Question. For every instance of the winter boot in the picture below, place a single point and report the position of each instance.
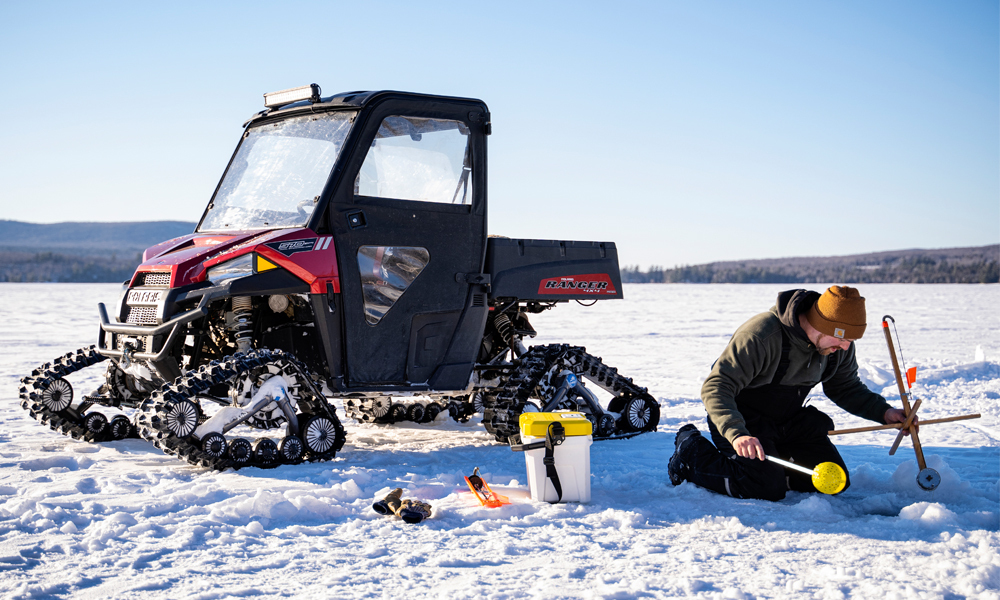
(414, 511)
(390, 504)
(677, 468)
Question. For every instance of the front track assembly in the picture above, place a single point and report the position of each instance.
(548, 375)
(170, 416)
(48, 398)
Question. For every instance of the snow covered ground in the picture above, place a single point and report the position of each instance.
(122, 520)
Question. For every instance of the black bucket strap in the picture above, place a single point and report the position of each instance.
(554, 435)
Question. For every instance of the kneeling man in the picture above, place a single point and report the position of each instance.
(755, 393)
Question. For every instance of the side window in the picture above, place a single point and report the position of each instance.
(428, 160)
(386, 272)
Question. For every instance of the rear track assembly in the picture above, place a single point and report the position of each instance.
(537, 375)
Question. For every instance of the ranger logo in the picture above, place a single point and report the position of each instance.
(290, 247)
(594, 284)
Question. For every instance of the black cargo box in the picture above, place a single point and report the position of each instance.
(552, 270)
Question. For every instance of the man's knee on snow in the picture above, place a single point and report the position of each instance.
(761, 480)
(773, 484)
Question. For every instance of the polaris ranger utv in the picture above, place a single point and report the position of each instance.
(343, 255)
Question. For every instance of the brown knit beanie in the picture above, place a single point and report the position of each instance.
(839, 312)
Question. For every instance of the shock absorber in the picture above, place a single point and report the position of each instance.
(504, 327)
(242, 327)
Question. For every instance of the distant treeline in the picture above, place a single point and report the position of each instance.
(110, 252)
(24, 267)
(79, 252)
(952, 265)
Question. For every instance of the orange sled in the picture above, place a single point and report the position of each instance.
(481, 489)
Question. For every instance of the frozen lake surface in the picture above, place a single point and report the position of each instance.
(122, 520)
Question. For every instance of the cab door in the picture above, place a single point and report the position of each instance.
(410, 242)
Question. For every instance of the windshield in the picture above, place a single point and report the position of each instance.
(278, 173)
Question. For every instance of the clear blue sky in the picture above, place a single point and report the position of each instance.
(685, 132)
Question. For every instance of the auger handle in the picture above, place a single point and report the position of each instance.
(790, 465)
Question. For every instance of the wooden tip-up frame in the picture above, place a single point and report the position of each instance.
(928, 478)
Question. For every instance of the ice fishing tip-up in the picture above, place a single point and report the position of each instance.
(927, 478)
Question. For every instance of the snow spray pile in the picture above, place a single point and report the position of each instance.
(122, 520)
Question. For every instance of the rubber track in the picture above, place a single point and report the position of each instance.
(41, 378)
(537, 367)
(363, 410)
(151, 416)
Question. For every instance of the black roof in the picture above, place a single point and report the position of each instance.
(351, 100)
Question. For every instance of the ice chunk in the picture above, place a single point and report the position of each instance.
(929, 513)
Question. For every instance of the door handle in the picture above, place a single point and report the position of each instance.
(356, 220)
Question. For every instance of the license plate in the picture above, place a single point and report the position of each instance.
(143, 296)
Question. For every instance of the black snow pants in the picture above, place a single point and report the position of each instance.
(774, 415)
(802, 440)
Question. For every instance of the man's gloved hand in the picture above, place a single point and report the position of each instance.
(895, 415)
(749, 447)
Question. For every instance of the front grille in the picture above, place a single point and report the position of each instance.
(153, 279)
(142, 315)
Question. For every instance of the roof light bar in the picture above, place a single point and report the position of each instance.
(309, 92)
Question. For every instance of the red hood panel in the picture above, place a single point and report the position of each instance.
(306, 255)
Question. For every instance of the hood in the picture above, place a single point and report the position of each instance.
(790, 304)
(187, 258)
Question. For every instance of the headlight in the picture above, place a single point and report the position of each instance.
(231, 269)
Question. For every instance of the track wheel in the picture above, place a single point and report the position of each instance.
(290, 449)
(240, 452)
(121, 427)
(58, 395)
(265, 453)
(380, 406)
(640, 414)
(182, 418)
(432, 411)
(605, 425)
(397, 413)
(319, 435)
(416, 413)
(96, 424)
(214, 444)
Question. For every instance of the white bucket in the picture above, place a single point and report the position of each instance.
(572, 459)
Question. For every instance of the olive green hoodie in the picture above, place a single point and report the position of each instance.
(751, 360)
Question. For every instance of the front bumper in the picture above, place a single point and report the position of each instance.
(152, 342)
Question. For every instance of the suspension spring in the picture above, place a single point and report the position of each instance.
(504, 327)
(242, 328)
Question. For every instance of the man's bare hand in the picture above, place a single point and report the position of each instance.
(749, 447)
(895, 415)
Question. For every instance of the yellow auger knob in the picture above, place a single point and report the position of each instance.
(829, 478)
